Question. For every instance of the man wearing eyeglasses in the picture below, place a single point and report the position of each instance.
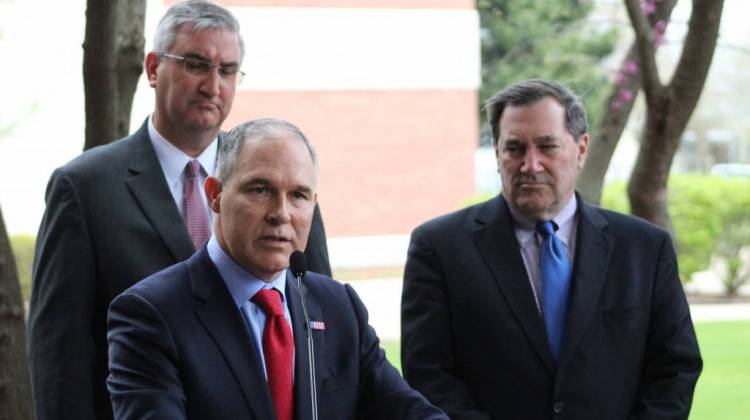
(123, 211)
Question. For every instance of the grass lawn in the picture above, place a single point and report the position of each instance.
(723, 391)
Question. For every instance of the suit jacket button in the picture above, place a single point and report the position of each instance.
(558, 407)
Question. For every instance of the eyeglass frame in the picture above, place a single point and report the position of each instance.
(239, 74)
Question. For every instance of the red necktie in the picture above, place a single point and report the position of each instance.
(195, 216)
(278, 349)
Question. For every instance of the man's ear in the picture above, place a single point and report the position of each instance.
(583, 149)
(150, 64)
(213, 189)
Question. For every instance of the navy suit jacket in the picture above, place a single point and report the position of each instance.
(180, 348)
(474, 343)
(110, 221)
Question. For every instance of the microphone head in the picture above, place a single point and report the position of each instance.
(298, 263)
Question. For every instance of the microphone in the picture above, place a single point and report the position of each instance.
(298, 266)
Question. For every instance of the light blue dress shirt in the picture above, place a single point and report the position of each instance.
(243, 286)
(529, 241)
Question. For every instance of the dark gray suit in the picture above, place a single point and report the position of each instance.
(180, 348)
(110, 222)
(474, 343)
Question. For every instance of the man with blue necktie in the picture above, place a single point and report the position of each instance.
(536, 305)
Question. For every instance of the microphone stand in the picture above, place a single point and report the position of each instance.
(310, 351)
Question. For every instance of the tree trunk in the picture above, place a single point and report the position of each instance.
(604, 141)
(669, 107)
(618, 105)
(112, 64)
(15, 385)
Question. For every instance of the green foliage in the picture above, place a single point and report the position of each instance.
(23, 251)
(524, 39)
(704, 211)
(392, 350)
(732, 242)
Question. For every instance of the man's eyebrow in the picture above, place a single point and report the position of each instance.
(201, 57)
(545, 138)
(256, 180)
(195, 55)
(304, 189)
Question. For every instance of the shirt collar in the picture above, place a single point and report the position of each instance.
(525, 228)
(173, 160)
(242, 284)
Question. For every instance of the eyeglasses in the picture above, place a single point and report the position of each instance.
(198, 67)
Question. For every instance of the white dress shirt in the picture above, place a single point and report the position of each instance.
(173, 161)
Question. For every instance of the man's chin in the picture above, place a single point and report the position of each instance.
(533, 208)
(204, 122)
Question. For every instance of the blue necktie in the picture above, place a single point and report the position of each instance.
(556, 274)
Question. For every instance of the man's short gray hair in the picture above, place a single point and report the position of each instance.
(529, 92)
(199, 15)
(260, 129)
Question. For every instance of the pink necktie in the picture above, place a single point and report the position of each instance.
(195, 216)
(278, 351)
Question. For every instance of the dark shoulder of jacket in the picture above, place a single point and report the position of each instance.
(458, 218)
(629, 226)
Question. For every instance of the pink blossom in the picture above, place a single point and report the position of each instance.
(630, 67)
(620, 79)
(625, 95)
(660, 26)
(648, 7)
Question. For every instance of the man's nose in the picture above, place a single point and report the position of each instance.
(532, 163)
(278, 213)
(211, 83)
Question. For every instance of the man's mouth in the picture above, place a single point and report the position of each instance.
(205, 105)
(274, 238)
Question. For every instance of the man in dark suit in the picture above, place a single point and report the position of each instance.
(223, 335)
(117, 213)
(537, 305)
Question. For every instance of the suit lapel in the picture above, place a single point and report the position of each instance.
(150, 190)
(593, 250)
(302, 400)
(222, 320)
(496, 241)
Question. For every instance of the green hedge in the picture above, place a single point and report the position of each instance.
(700, 206)
(23, 250)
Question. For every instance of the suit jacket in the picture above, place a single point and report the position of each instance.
(110, 221)
(474, 343)
(180, 348)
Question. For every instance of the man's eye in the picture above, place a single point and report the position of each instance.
(196, 65)
(259, 190)
(228, 70)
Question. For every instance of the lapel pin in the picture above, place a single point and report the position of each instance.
(318, 325)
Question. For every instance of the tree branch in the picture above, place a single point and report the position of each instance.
(645, 43)
(698, 51)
